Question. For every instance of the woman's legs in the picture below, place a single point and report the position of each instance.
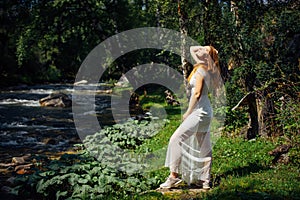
(173, 158)
(177, 148)
(206, 151)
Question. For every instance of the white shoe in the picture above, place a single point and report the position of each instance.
(170, 182)
(203, 184)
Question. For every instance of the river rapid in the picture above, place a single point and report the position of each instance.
(26, 127)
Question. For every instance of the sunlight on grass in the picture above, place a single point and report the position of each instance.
(241, 169)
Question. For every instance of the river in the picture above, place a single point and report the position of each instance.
(26, 127)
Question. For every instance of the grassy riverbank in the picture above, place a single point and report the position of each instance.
(242, 169)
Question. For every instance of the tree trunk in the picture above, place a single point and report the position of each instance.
(238, 59)
(252, 131)
(252, 106)
(266, 114)
(185, 65)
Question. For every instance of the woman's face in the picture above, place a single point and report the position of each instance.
(203, 53)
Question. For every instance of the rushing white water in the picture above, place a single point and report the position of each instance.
(23, 102)
(25, 124)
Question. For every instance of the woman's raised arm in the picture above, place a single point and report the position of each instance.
(193, 50)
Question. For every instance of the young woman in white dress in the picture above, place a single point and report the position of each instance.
(189, 151)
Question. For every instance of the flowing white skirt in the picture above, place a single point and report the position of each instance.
(189, 150)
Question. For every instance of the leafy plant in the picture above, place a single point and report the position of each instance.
(93, 173)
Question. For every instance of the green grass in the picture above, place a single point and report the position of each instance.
(241, 169)
(244, 170)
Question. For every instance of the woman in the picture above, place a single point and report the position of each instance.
(189, 150)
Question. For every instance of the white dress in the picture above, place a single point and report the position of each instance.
(189, 150)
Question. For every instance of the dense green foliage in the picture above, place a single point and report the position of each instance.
(241, 170)
(48, 40)
(98, 171)
(258, 43)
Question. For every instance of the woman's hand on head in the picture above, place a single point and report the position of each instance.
(199, 53)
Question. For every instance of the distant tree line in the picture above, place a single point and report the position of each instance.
(258, 40)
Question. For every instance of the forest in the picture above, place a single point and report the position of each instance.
(46, 42)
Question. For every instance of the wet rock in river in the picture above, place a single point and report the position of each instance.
(74, 140)
(5, 171)
(7, 164)
(20, 160)
(56, 100)
(20, 165)
(82, 82)
(50, 141)
(23, 167)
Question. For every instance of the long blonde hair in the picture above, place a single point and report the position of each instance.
(214, 68)
(195, 67)
(213, 63)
